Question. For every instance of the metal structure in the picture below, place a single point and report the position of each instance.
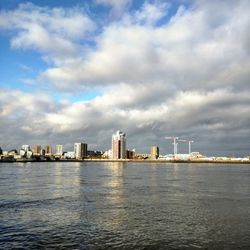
(174, 143)
(189, 146)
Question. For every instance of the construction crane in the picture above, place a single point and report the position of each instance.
(189, 146)
(182, 140)
(174, 143)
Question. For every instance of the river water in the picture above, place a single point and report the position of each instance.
(67, 205)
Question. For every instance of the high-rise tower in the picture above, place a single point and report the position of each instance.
(154, 152)
(48, 150)
(59, 149)
(80, 150)
(37, 150)
(119, 145)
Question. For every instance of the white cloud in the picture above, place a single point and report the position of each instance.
(151, 13)
(116, 6)
(203, 116)
(133, 53)
(54, 32)
(23, 102)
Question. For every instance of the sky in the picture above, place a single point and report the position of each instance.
(78, 71)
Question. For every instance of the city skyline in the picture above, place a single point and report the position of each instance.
(83, 69)
(117, 150)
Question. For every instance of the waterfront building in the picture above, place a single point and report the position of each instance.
(80, 150)
(25, 151)
(94, 154)
(107, 154)
(10, 152)
(195, 155)
(69, 155)
(26, 148)
(42, 152)
(119, 145)
(59, 149)
(48, 150)
(142, 156)
(154, 152)
(130, 154)
(37, 150)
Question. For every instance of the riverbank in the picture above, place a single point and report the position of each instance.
(218, 161)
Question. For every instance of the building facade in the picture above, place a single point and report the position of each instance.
(154, 152)
(26, 148)
(69, 155)
(80, 150)
(119, 145)
(130, 154)
(48, 150)
(37, 150)
(59, 149)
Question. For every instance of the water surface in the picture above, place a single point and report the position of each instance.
(67, 205)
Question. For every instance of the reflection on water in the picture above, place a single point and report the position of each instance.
(129, 205)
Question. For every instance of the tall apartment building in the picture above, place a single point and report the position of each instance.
(154, 152)
(37, 150)
(42, 152)
(119, 145)
(59, 149)
(80, 150)
(48, 150)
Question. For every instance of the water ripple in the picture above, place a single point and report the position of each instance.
(108, 206)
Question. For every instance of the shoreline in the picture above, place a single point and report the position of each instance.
(131, 161)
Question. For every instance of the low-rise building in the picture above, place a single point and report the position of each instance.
(142, 156)
(130, 154)
(107, 154)
(94, 154)
(69, 155)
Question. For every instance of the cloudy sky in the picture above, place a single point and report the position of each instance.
(78, 70)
